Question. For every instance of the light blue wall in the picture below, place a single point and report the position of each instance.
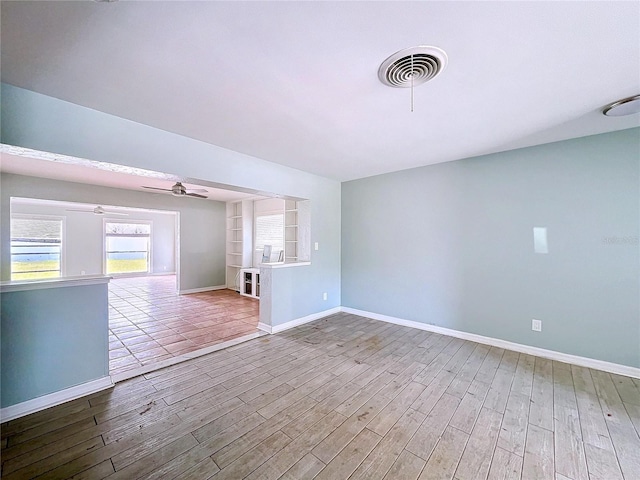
(44, 123)
(52, 339)
(202, 224)
(289, 285)
(452, 245)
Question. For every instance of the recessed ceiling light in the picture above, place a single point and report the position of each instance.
(626, 106)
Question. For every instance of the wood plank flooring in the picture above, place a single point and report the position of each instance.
(342, 397)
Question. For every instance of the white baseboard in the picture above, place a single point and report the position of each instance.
(56, 398)
(302, 320)
(496, 342)
(30, 406)
(264, 327)
(203, 289)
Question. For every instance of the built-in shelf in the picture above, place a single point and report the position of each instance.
(290, 230)
(240, 217)
(239, 234)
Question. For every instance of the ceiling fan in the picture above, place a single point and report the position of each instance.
(178, 190)
(97, 211)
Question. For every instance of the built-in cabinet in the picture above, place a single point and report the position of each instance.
(250, 282)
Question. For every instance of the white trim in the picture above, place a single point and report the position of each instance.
(496, 342)
(177, 247)
(76, 281)
(106, 219)
(37, 216)
(302, 320)
(203, 289)
(264, 327)
(284, 265)
(56, 398)
(135, 372)
(159, 274)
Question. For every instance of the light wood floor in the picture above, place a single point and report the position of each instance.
(342, 397)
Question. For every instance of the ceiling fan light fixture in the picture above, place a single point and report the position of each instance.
(626, 106)
(179, 190)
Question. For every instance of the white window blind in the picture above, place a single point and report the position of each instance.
(128, 247)
(269, 230)
(36, 248)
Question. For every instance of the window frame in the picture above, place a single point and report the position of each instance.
(63, 243)
(104, 246)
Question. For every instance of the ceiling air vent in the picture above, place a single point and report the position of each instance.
(412, 66)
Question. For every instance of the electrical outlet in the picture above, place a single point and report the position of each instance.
(536, 325)
(82, 272)
(324, 296)
(315, 246)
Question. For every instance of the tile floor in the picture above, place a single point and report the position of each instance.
(150, 322)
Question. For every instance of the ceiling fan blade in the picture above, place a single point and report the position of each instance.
(197, 190)
(156, 188)
(195, 195)
(101, 212)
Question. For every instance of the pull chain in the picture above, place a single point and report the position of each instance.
(412, 83)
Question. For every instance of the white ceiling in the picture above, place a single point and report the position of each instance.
(296, 82)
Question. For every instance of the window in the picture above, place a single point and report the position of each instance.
(127, 247)
(36, 247)
(269, 231)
